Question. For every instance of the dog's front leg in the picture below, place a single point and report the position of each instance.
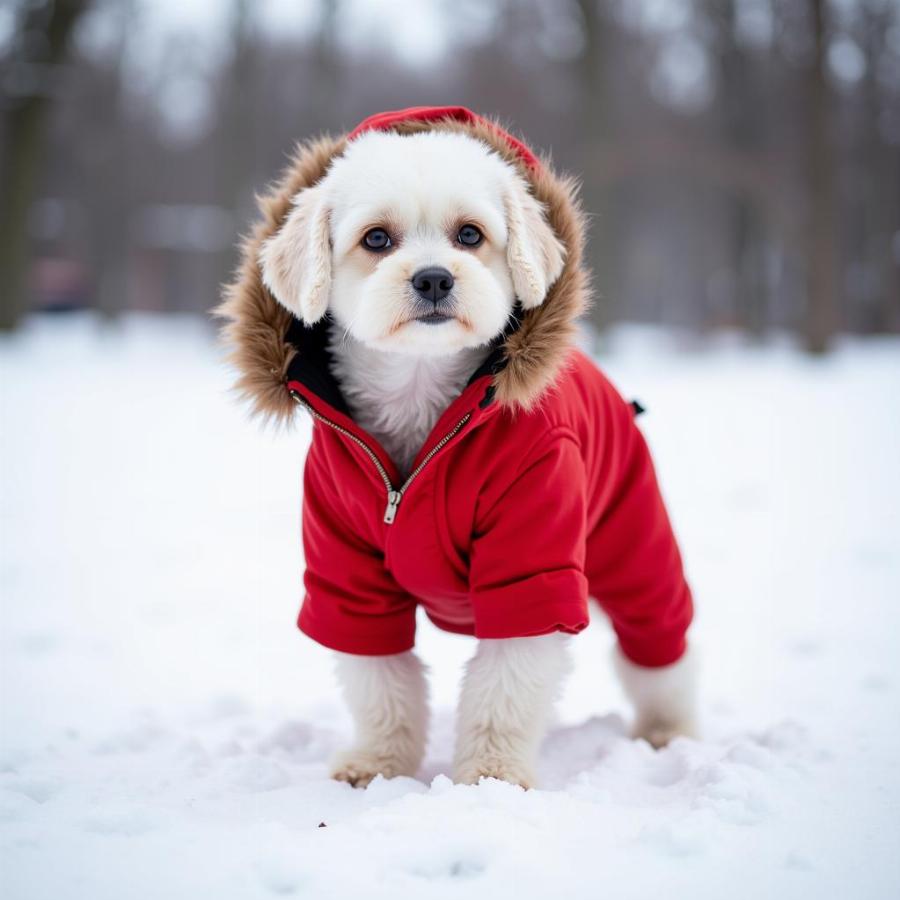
(388, 699)
(504, 708)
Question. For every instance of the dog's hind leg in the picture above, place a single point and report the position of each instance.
(507, 696)
(388, 699)
(664, 697)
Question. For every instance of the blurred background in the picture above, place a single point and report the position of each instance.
(740, 158)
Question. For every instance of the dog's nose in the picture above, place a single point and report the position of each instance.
(432, 284)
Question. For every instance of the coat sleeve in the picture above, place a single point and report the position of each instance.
(634, 565)
(526, 574)
(351, 603)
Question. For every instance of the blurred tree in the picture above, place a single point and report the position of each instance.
(741, 134)
(327, 59)
(879, 301)
(31, 79)
(600, 195)
(236, 158)
(238, 127)
(106, 166)
(822, 272)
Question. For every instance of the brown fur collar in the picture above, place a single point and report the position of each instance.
(256, 325)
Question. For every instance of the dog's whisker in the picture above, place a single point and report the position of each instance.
(345, 334)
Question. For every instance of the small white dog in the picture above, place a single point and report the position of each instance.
(407, 242)
(422, 251)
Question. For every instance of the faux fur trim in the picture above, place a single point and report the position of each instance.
(256, 325)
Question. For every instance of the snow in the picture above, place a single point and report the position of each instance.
(165, 729)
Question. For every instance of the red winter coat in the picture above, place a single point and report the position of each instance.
(534, 491)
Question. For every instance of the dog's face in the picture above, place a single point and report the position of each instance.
(416, 244)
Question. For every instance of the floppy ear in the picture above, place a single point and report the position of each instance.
(533, 252)
(296, 260)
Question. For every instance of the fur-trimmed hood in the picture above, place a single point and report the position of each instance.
(265, 338)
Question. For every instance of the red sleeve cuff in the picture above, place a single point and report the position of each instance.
(659, 638)
(662, 652)
(384, 634)
(541, 604)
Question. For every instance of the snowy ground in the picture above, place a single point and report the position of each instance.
(165, 730)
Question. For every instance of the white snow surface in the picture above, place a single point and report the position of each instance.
(166, 729)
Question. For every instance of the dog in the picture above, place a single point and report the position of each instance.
(415, 286)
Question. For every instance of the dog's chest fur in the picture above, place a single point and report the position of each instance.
(398, 398)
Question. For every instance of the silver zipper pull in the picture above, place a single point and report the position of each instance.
(392, 504)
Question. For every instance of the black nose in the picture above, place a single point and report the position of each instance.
(432, 284)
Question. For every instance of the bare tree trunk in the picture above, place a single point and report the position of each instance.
(237, 154)
(41, 45)
(327, 62)
(600, 199)
(881, 195)
(743, 133)
(822, 269)
(237, 114)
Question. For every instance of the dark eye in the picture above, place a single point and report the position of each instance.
(376, 239)
(469, 236)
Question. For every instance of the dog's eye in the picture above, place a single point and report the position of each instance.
(469, 236)
(376, 239)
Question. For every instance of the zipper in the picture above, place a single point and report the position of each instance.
(394, 495)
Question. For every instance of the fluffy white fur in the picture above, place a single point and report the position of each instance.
(664, 698)
(398, 375)
(505, 706)
(388, 699)
(398, 397)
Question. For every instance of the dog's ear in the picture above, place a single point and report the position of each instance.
(533, 252)
(296, 260)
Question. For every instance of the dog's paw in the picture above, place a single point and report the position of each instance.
(659, 732)
(359, 767)
(512, 771)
